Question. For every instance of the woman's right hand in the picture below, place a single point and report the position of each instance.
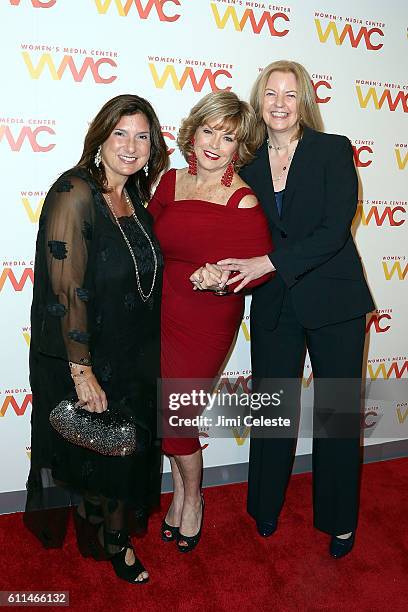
(90, 393)
(209, 277)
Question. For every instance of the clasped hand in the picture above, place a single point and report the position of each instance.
(247, 269)
(209, 277)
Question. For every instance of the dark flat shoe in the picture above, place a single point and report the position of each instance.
(340, 547)
(266, 528)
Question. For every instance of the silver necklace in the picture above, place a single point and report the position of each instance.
(290, 157)
(144, 296)
(270, 146)
(284, 169)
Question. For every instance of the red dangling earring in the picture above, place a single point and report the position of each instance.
(228, 175)
(192, 160)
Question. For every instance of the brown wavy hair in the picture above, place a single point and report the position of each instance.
(101, 128)
(230, 114)
(308, 109)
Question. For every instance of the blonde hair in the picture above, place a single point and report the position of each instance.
(308, 109)
(230, 114)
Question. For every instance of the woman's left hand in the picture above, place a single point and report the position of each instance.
(209, 277)
(248, 269)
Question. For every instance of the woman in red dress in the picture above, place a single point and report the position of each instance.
(203, 213)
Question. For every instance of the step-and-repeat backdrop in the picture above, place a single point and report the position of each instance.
(62, 59)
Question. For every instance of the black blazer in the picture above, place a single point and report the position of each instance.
(315, 256)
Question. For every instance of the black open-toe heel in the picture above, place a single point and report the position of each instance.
(86, 529)
(168, 532)
(122, 569)
(191, 541)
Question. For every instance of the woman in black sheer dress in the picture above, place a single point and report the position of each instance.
(95, 322)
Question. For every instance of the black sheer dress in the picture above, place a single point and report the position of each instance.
(87, 309)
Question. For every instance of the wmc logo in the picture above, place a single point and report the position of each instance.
(378, 98)
(321, 85)
(247, 18)
(369, 418)
(400, 156)
(386, 369)
(35, 3)
(394, 270)
(76, 68)
(362, 154)
(354, 35)
(245, 329)
(393, 216)
(169, 135)
(307, 380)
(237, 384)
(33, 206)
(27, 335)
(36, 138)
(17, 282)
(143, 8)
(196, 78)
(379, 322)
(240, 384)
(17, 404)
(402, 412)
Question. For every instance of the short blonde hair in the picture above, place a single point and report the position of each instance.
(308, 109)
(230, 114)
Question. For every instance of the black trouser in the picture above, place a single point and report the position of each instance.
(336, 351)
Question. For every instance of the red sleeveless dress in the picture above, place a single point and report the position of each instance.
(198, 327)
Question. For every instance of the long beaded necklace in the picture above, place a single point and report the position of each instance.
(144, 296)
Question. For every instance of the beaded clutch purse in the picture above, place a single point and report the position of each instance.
(112, 432)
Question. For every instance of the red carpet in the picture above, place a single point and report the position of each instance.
(233, 568)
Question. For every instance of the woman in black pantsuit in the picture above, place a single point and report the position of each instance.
(318, 298)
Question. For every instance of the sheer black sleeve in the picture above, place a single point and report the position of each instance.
(67, 234)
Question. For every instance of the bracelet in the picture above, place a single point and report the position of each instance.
(82, 381)
(74, 365)
(84, 374)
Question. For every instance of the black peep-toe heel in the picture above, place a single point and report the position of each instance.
(191, 541)
(126, 572)
(168, 532)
